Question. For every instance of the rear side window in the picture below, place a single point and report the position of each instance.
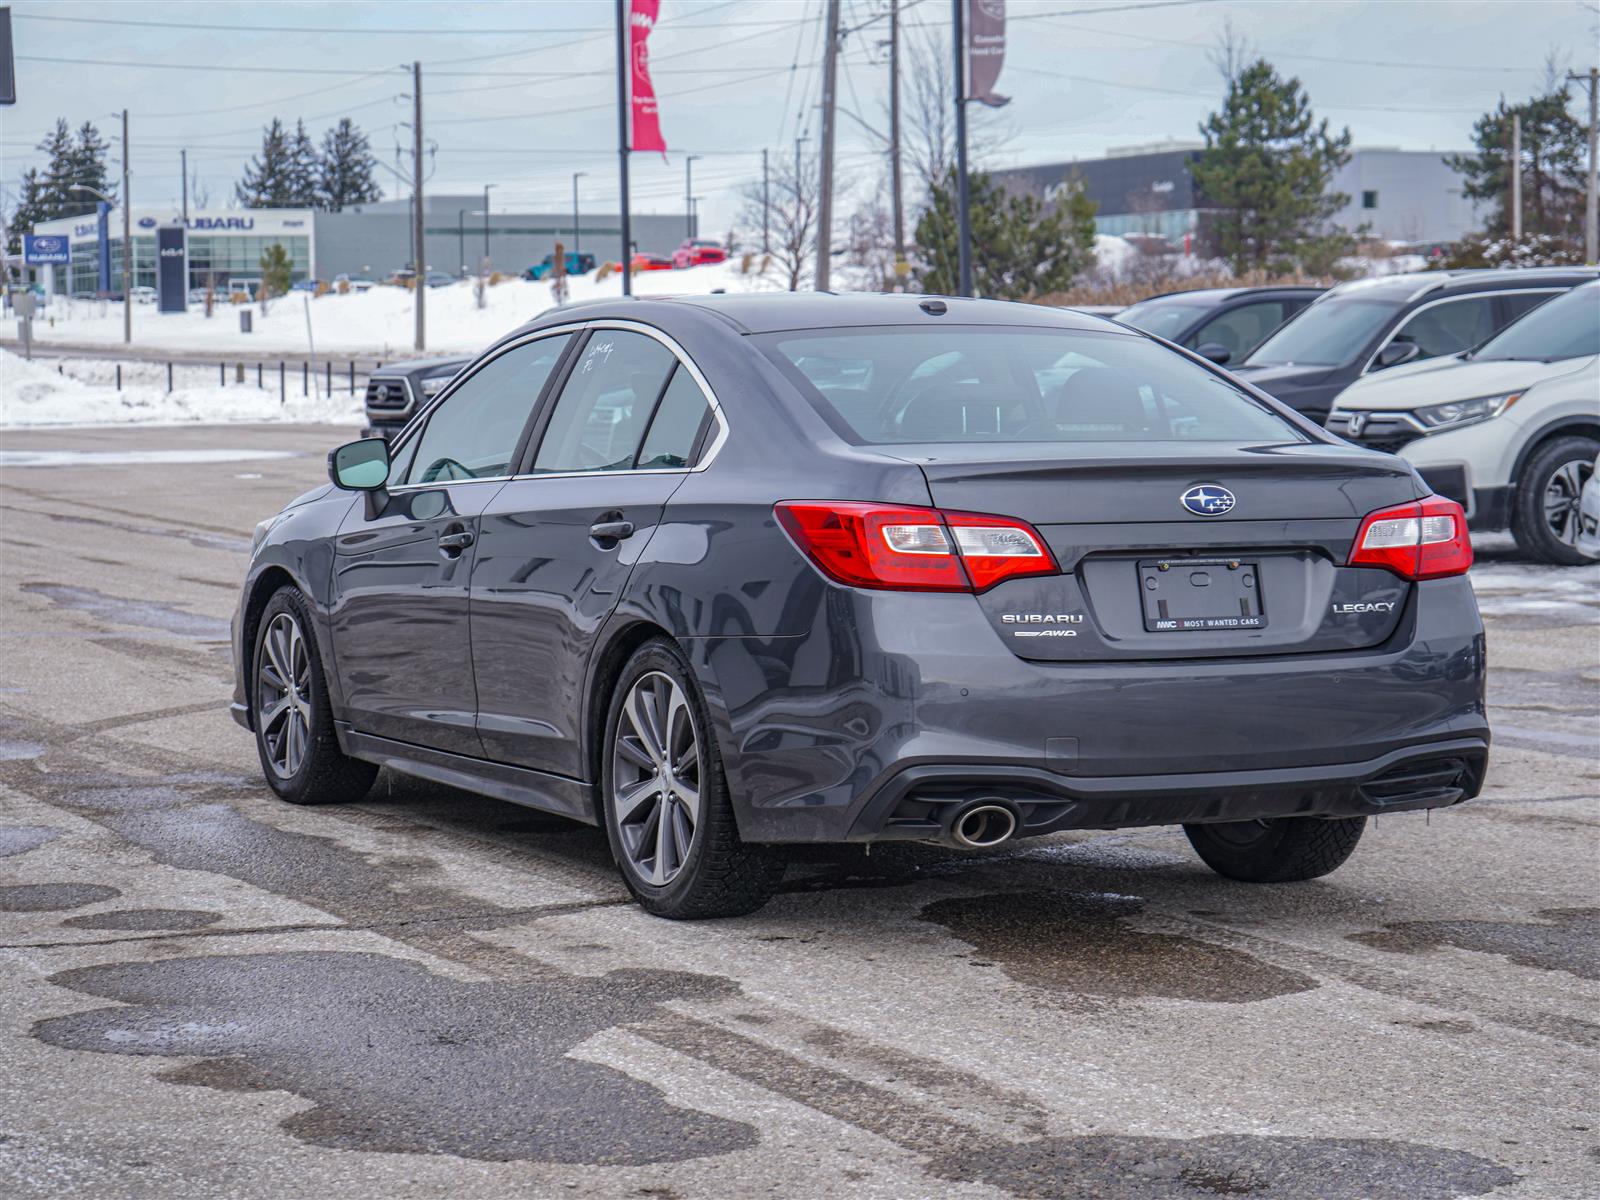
(974, 384)
(676, 425)
(475, 430)
(600, 417)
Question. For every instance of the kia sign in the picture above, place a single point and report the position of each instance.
(171, 269)
(44, 250)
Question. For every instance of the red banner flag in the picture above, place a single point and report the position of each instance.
(986, 50)
(645, 133)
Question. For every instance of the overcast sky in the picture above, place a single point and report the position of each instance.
(522, 94)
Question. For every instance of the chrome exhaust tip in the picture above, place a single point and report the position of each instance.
(982, 825)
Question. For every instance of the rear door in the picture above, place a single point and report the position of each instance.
(559, 541)
(400, 632)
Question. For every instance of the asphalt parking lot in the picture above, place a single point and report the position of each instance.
(205, 992)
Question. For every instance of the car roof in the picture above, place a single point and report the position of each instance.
(1413, 285)
(770, 312)
(1220, 295)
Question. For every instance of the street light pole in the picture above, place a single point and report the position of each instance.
(688, 194)
(577, 235)
(461, 240)
(127, 242)
(963, 202)
(486, 188)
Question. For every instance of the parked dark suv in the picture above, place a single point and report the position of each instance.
(724, 572)
(396, 390)
(1222, 324)
(1368, 325)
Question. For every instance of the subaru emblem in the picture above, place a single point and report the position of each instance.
(1208, 500)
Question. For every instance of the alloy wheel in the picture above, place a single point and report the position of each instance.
(656, 778)
(283, 695)
(1562, 496)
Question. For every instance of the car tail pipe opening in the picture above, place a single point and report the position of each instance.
(981, 824)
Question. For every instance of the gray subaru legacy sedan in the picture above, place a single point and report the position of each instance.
(723, 573)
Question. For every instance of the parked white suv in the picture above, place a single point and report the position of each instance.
(1510, 430)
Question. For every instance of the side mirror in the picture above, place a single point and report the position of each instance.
(1216, 352)
(360, 466)
(1396, 353)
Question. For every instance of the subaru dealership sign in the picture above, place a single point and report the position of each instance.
(46, 249)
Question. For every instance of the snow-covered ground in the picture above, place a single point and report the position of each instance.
(35, 394)
(378, 322)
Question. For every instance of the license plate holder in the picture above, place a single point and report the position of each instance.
(1190, 594)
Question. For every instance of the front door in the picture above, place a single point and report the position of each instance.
(557, 544)
(399, 617)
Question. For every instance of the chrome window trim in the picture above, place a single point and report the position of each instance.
(1489, 293)
(713, 447)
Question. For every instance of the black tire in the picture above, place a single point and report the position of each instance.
(1281, 851)
(1557, 467)
(323, 774)
(720, 875)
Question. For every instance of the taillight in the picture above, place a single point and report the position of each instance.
(1425, 539)
(913, 549)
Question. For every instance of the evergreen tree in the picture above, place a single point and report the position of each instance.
(1266, 168)
(91, 162)
(29, 212)
(269, 178)
(56, 194)
(275, 271)
(305, 169)
(1554, 153)
(1020, 248)
(346, 168)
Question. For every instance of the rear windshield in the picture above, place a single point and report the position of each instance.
(1327, 334)
(892, 384)
(1566, 327)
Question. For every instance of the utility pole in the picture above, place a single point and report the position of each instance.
(486, 188)
(804, 137)
(766, 207)
(1516, 177)
(894, 141)
(418, 265)
(688, 194)
(461, 239)
(1591, 214)
(963, 215)
(127, 240)
(623, 141)
(830, 74)
(183, 158)
(577, 238)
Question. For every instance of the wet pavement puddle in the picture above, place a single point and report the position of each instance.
(19, 839)
(53, 897)
(1084, 943)
(145, 920)
(1264, 1168)
(397, 1059)
(147, 614)
(1564, 939)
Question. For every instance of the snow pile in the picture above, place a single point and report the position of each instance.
(33, 394)
(379, 322)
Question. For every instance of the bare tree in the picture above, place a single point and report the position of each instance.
(869, 242)
(928, 123)
(1232, 52)
(199, 193)
(792, 217)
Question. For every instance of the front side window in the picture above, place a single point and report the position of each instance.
(474, 432)
(1240, 330)
(600, 417)
(1451, 327)
(975, 384)
(1327, 334)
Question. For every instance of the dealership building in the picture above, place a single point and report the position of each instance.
(370, 241)
(1399, 195)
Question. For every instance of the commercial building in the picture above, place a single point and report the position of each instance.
(370, 241)
(1399, 195)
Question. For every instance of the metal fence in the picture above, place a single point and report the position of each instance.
(302, 378)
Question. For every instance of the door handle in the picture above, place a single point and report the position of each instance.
(455, 543)
(611, 531)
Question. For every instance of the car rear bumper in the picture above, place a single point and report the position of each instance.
(904, 695)
(919, 802)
